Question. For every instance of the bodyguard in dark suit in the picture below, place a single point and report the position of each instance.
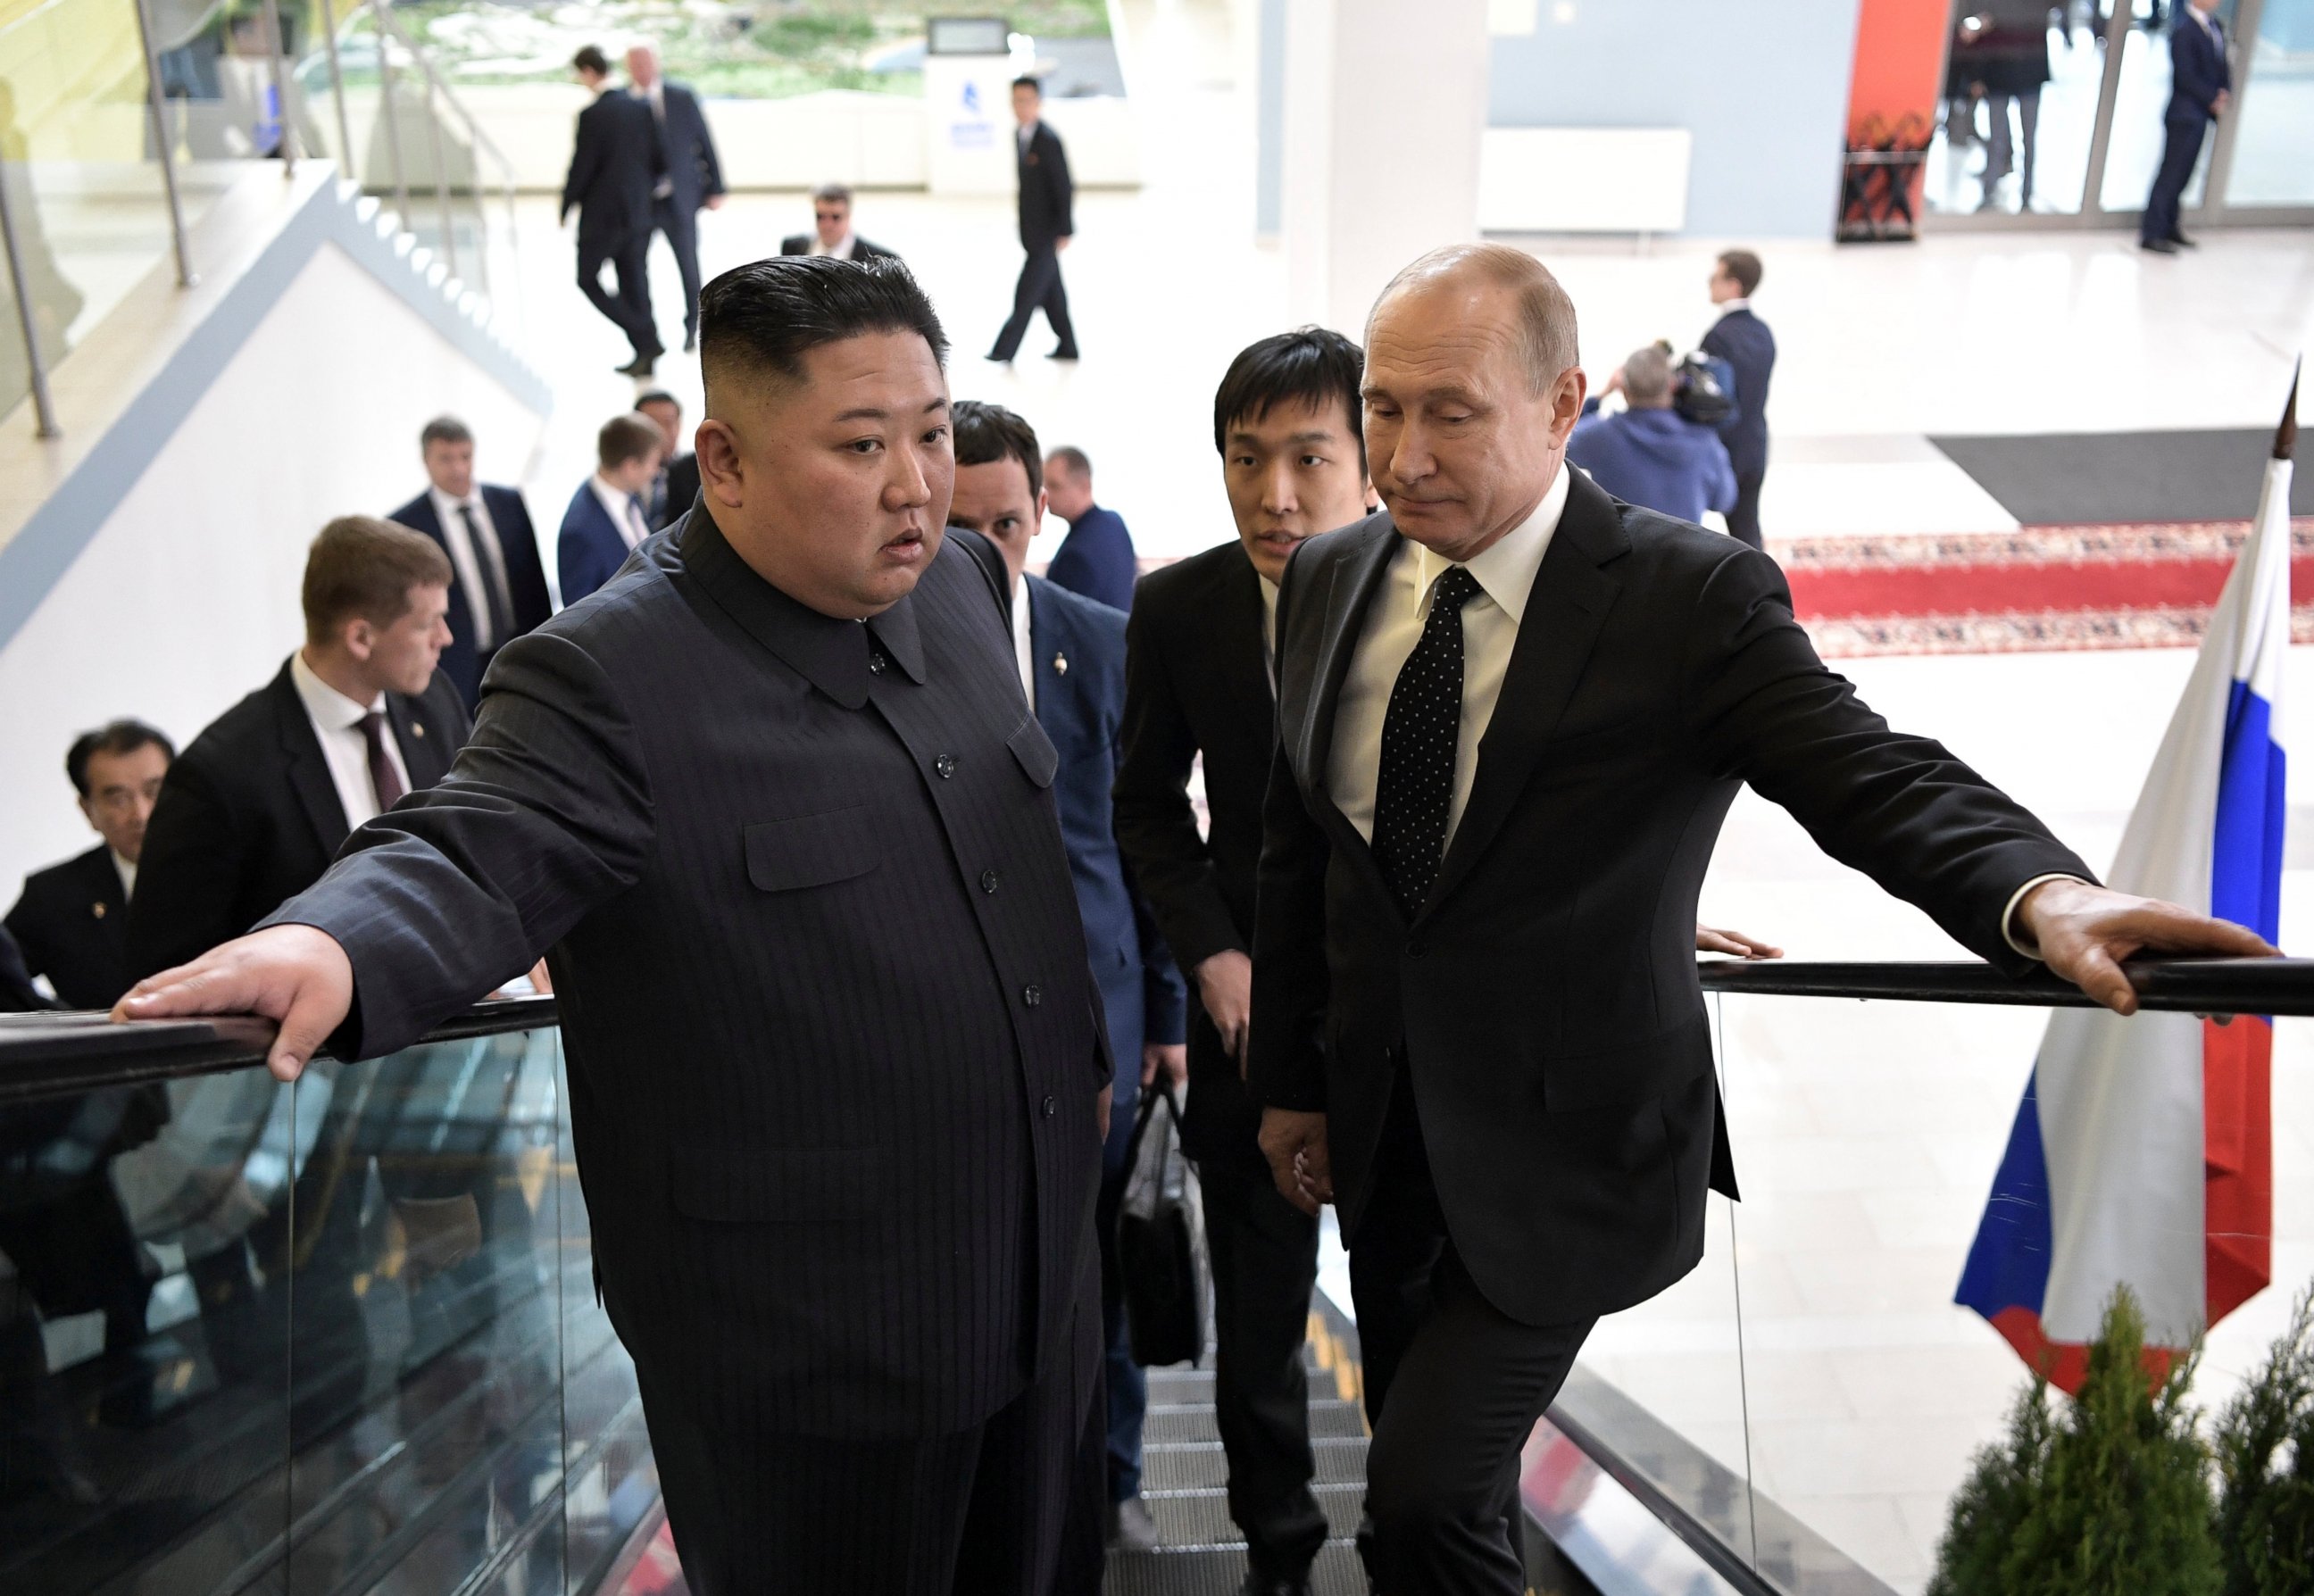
(831, 233)
(1096, 558)
(257, 805)
(606, 520)
(676, 486)
(1048, 221)
(773, 807)
(72, 922)
(2201, 88)
(1513, 714)
(1070, 653)
(1743, 341)
(616, 161)
(690, 177)
(499, 589)
(1285, 423)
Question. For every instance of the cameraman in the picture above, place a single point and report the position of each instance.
(1650, 454)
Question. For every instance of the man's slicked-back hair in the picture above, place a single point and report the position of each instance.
(1312, 365)
(113, 739)
(1744, 267)
(591, 58)
(1547, 331)
(444, 429)
(759, 320)
(986, 433)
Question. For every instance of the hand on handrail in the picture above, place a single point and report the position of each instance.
(293, 975)
(2083, 932)
(1712, 939)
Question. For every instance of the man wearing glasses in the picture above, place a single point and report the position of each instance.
(831, 233)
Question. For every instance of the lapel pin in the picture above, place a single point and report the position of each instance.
(97, 909)
(1060, 664)
(417, 728)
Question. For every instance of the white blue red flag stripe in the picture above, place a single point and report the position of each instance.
(2142, 1153)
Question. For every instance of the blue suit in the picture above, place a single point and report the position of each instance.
(1657, 459)
(1077, 651)
(589, 550)
(526, 580)
(1743, 341)
(1096, 559)
(2198, 75)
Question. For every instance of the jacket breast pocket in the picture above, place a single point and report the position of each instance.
(807, 1186)
(813, 849)
(1035, 751)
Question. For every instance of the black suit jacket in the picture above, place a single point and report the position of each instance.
(1743, 341)
(1195, 683)
(614, 163)
(72, 925)
(687, 148)
(249, 817)
(833, 1044)
(800, 243)
(525, 580)
(682, 490)
(1544, 998)
(2198, 69)
(1048, 195)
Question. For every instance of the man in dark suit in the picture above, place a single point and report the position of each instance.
(1286, 422)
(1096, 558)
(1070, 652)
(1743, 341)
(257, 805)
(616, 162)
(2201, 88)
(689, 177)
(72, 920)
(1048, 221)
(774, 807)
(606, 520)
(831, 233)
(499, 589)
(675, 487)
(1512, 715)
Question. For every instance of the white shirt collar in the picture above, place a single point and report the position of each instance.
(1023, 638)
(126, 868)
(1728, 307)
(331, 710)
(447, 506)
(1506, 571)
(624, 508)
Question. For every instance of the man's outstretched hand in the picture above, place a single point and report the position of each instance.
(1295, 1143)
(291, 975)
(1713, 939)
(2084, 932)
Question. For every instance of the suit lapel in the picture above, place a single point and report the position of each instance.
(424, 743)
(1242, 658)
(1046, 639)
(1564, 610)
(1354, 579)
(309, 772)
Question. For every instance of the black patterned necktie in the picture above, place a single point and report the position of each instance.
(491, 560)
(1413, 787)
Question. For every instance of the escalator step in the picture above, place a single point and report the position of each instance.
(1194, 1421)
(1337, 1573)
(1199, 1519)
(1188, 1465)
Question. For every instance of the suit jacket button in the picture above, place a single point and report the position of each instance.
(1051, 1107)
(1032, 995)
(944, 766)
(988, 879)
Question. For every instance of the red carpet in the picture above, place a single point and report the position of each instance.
(2040, 587)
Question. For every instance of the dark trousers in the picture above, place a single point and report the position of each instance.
(979, 1510)
(628, 308)
(680, 227)
(2180, 151)
(1265, 1262)
(1743, 520)
(1039, 288)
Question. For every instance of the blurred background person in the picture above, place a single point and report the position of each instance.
(71, 923)
(1743, 341)
(676, 486)
(499, 589)
(1648, 453)
(605, 519)
(1096, 558)
(1048, 221)
(689, 177)
(831, 233)
(2201, 88)
(615, 162)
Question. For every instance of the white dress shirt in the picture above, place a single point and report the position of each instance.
(1393, 625)
(474, 566)
(625, 509)
(336, 724)
(840, 250)
(126, 868)
(1269, 631)
(1023, 645)
(656, 98)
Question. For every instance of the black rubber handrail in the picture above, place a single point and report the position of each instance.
(2216, 986)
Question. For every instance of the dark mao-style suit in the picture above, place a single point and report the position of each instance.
(1517, 1079)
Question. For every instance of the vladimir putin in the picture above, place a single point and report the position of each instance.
(1512, 715)
(773, 808)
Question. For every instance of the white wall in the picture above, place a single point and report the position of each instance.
(186, 598)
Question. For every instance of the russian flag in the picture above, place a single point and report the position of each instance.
(2143, 1154)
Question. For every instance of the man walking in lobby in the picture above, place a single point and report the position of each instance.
(1512, 715)
(1743, 341)
(689, 178)
(1048, 221)
(2201, 88)
(615, 162)
(774, 808)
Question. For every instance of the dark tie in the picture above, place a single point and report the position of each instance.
(488, 557)
(1414, 788)
(383, 782)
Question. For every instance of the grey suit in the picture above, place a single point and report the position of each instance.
(834, 1046)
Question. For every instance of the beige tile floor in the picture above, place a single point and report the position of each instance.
(1866, 1135)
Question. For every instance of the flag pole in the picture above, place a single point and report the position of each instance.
(2285, 436)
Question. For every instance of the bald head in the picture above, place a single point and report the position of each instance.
(1543, 313)
(642, 65)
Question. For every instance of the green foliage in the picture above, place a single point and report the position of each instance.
(2109, 1497)
(2265, 1448)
